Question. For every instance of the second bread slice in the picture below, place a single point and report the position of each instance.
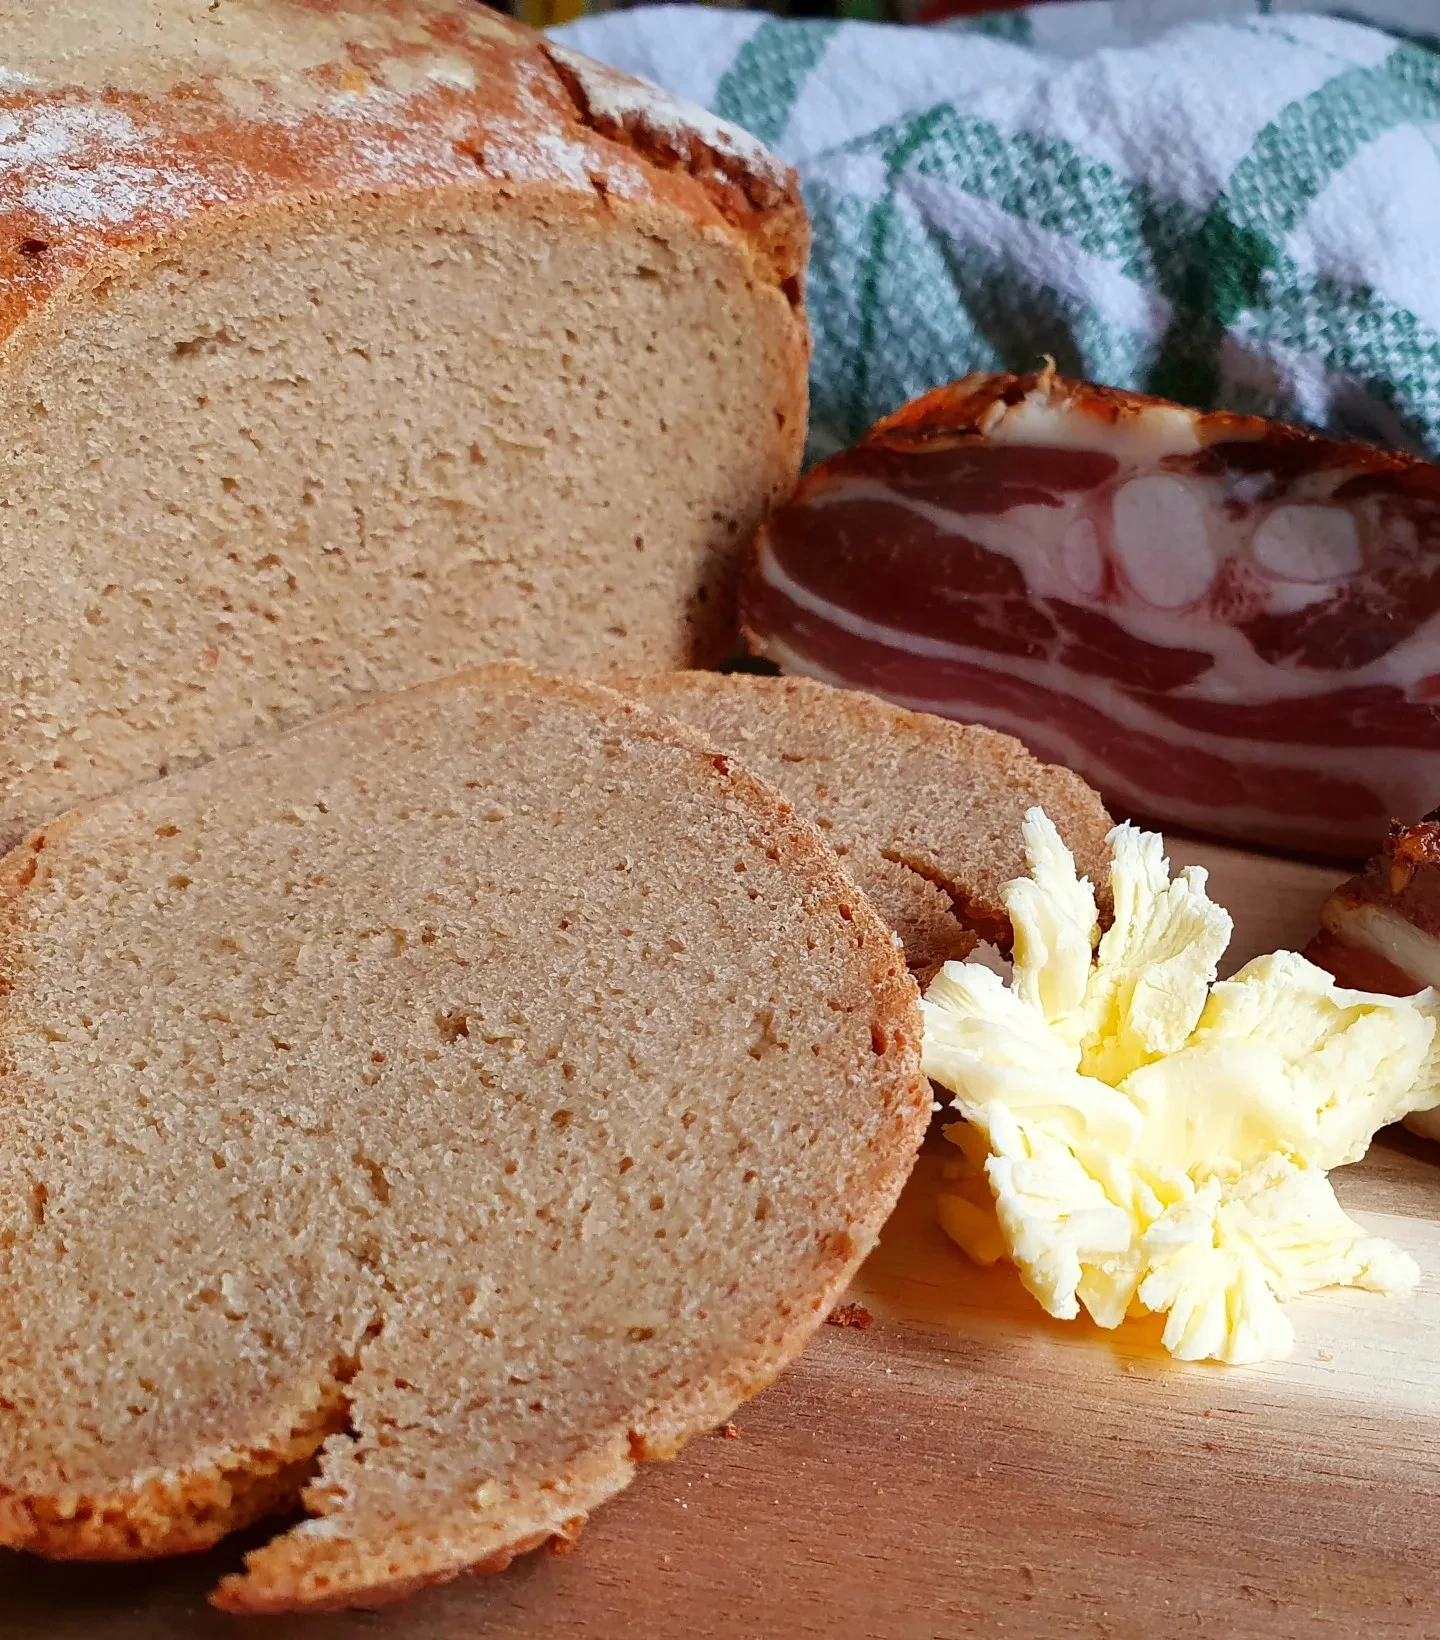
(426, 1116)
(925, 813)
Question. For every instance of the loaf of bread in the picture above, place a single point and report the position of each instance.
(424, 1116)
(348, 344)
(924, 813)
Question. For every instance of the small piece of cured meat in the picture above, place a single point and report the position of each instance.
(1380, 931)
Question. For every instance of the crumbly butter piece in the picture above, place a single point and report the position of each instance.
(1139, 1137)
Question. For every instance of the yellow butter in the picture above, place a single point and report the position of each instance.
(1139, 1137)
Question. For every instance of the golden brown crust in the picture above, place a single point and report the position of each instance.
(282, 1575)
(1403, 878)
(318, 1567)
(291, 104)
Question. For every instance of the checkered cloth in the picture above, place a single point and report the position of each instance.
(1238, 210)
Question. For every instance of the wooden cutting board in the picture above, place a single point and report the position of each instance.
(968, 1466)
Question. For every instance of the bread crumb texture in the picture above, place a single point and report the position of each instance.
(926, 814)
(423, 1118)
(342, 349)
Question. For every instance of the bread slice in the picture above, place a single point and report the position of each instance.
(438, 1110)
(344, 345)
(924, 813)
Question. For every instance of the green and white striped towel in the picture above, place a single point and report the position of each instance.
(1241, 210)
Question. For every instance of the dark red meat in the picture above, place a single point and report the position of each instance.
(1224, 623)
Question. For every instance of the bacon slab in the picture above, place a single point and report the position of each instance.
(1224, 623)
(1380, 931)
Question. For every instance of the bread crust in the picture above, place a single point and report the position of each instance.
(974, 404)
(167, 131)
(952, 749)
(317, 1567)
(292, 105)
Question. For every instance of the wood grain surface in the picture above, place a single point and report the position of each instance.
(968, 1466)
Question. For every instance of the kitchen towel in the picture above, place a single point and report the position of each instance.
(1223, 203)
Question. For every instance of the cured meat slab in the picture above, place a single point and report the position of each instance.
(1224, 623)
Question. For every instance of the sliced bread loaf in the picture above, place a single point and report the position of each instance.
(924, 813)
(347, 344)
(431, 1114)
